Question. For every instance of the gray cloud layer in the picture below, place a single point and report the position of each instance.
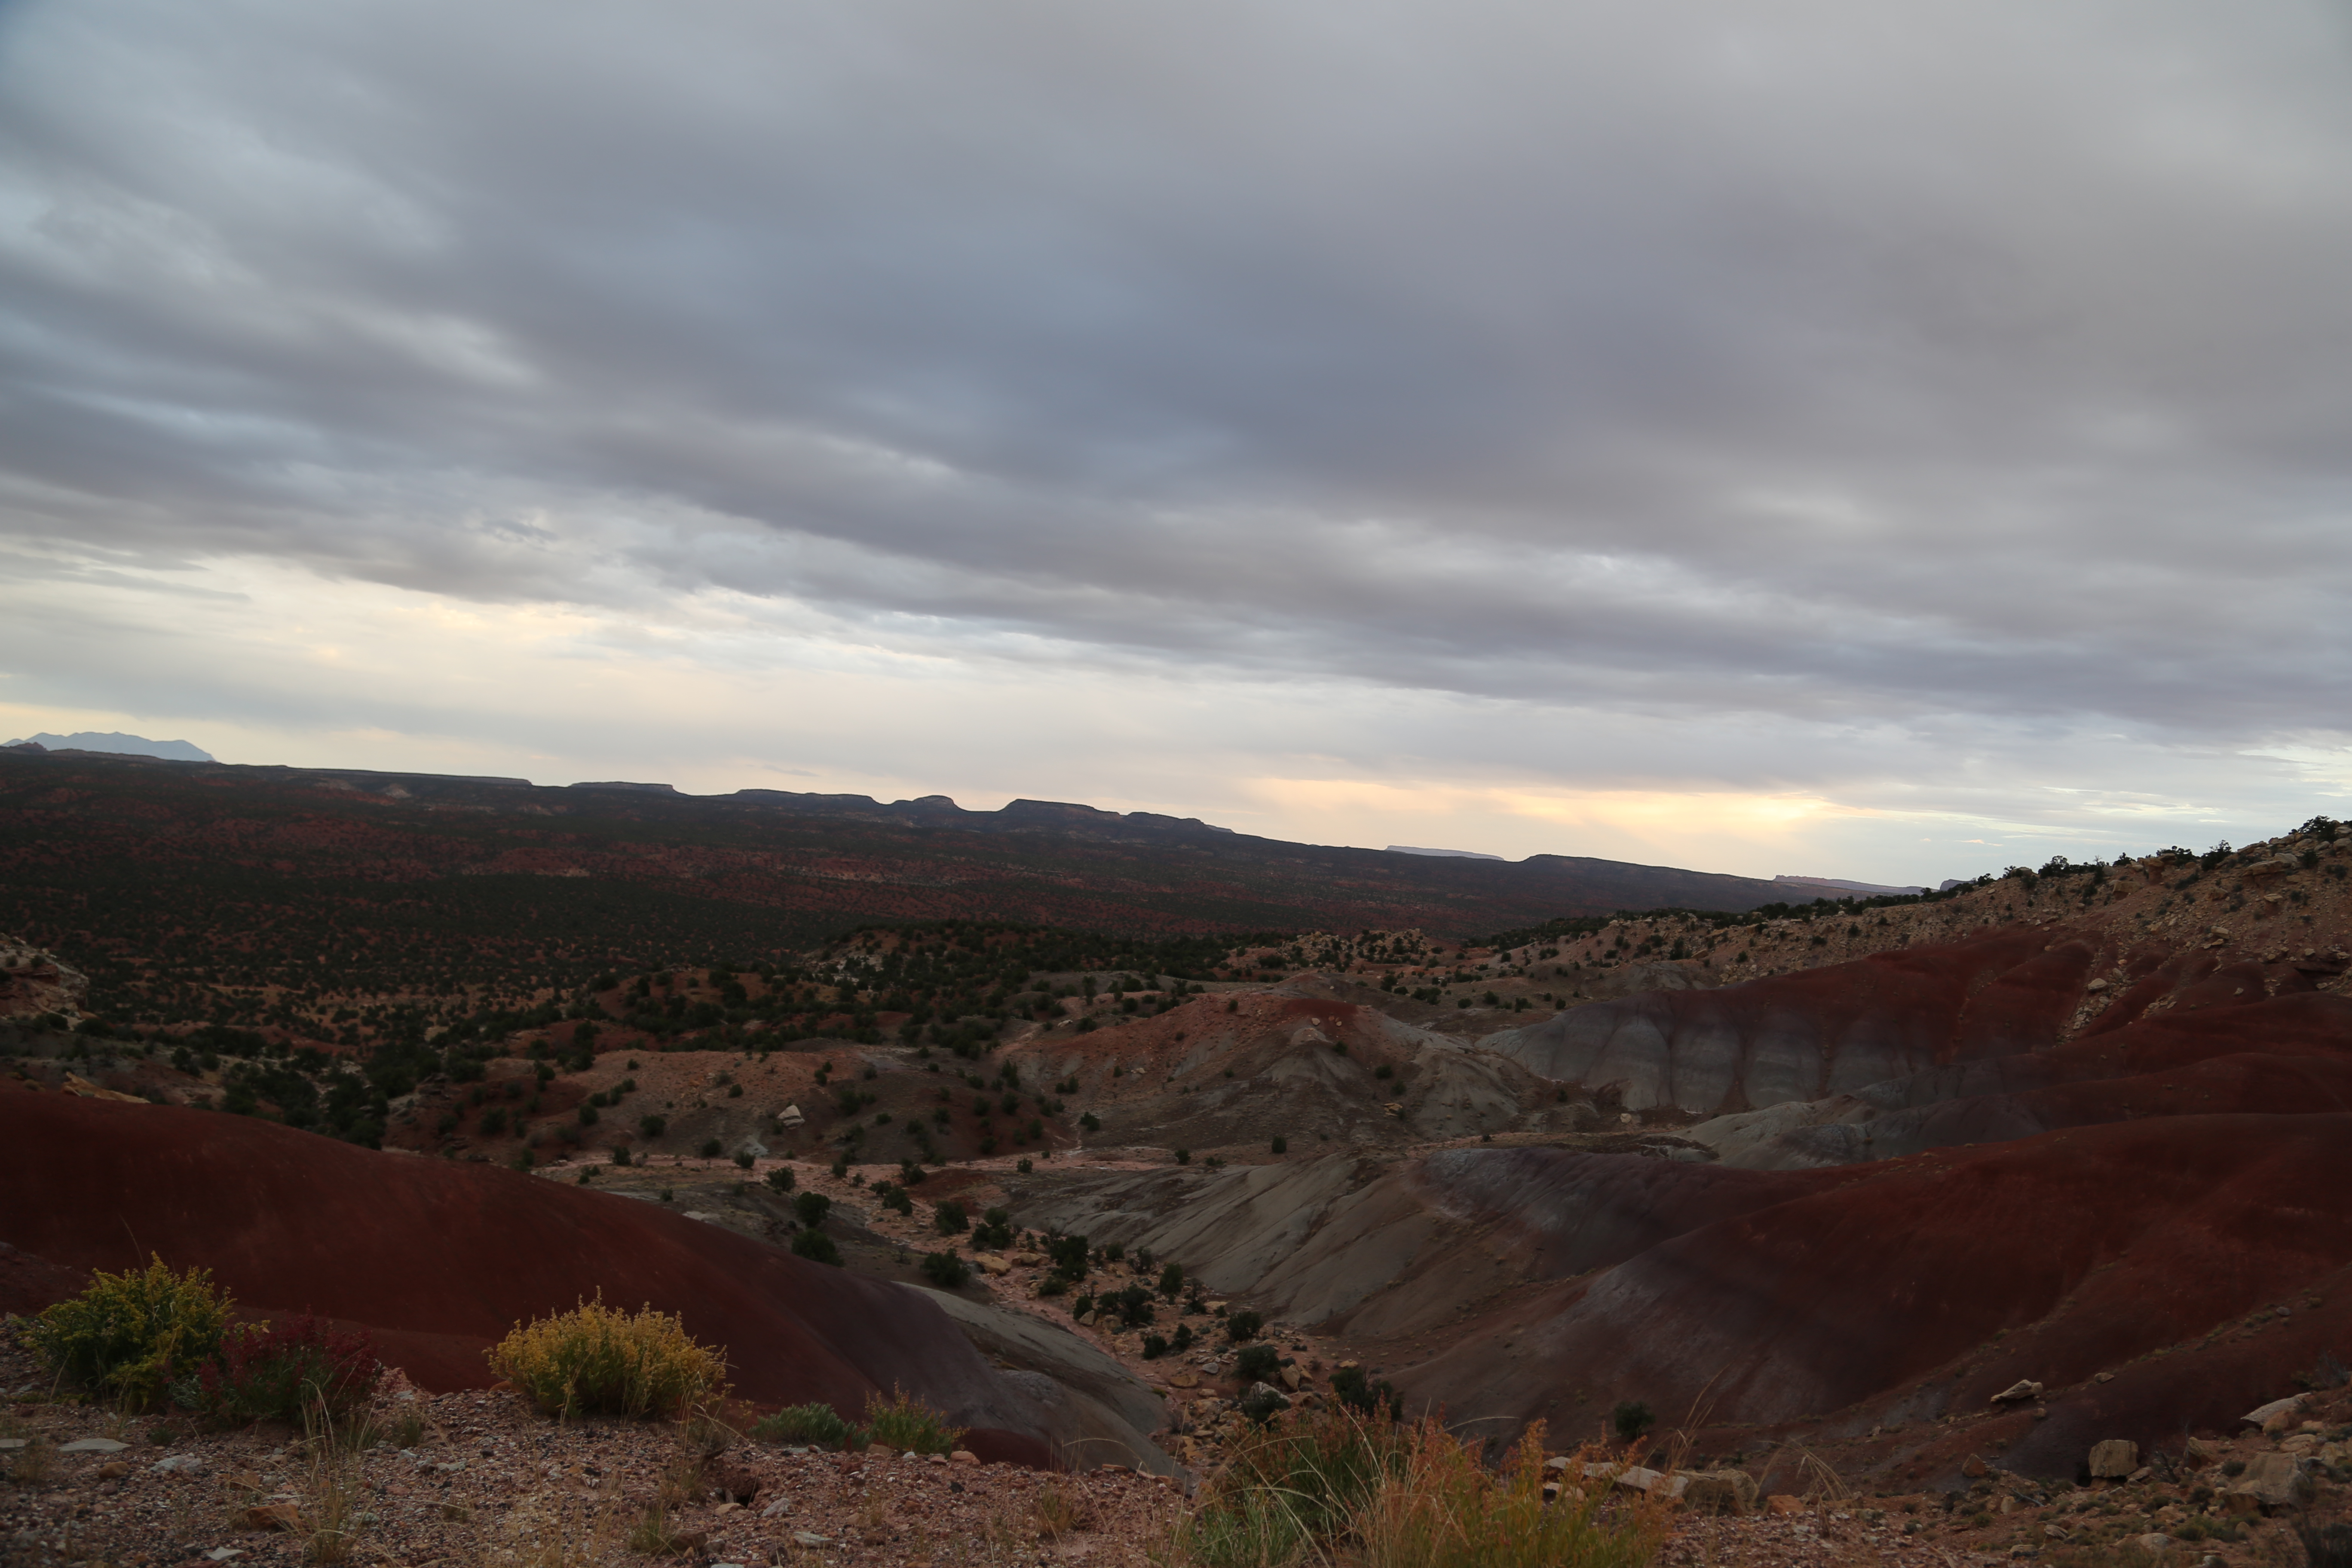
(1840, 364)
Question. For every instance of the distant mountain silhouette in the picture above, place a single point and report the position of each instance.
(123, 745)
(1442, 854)
(412, 878)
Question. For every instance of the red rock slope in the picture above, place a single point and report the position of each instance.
(441, 1258)
(1918, 1287)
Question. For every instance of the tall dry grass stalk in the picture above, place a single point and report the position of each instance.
(1332, 1486)
(1058, 1511)
(34, 1463)
(1447, 1511)
(1817, 1479)
(334, 1492)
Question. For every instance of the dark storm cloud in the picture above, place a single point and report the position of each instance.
(1842, 363)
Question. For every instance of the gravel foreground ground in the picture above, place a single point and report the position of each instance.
(480, 1479)
(491, 1482)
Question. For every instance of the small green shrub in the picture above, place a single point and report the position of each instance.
(781, 1179)
(1257, 1363)
(1154, 1346)
(1260, 1405)
(946, 1270)
(1630, 1419)
(811, 1425)
(1352, 1388)
(649, 1127)
(594, 1360)
(1281, 1144)
(710, 1148)
(816, 1246)
(950, 1218)
(130, 1334)
(743, 1159)
(1240, 1326)
(906, 1424)
(812, 1208)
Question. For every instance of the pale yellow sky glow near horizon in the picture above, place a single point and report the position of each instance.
(719, 692)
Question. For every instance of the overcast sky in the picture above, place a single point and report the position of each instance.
(1879, 441)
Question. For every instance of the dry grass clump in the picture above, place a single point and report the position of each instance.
(1058, 1511)
(594, 1360)
(652, 1536)
(1447, 1511)
(335, 1495)
(34, 1463)
(1292, 1490)
(1817, 1480)
(1336, 1485)
(907, 1424)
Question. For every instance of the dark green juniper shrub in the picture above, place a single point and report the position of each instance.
(946, 1270)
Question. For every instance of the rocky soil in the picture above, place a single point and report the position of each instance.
(478, 1477)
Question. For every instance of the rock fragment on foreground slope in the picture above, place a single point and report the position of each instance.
(2113, 1460)
(2271, 1481)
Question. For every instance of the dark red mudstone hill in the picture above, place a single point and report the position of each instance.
(440, 1259)
(1817, 1032)
(2309, 1024)
(2283, 1056)
(1878, 1291)
(2247, 1083)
